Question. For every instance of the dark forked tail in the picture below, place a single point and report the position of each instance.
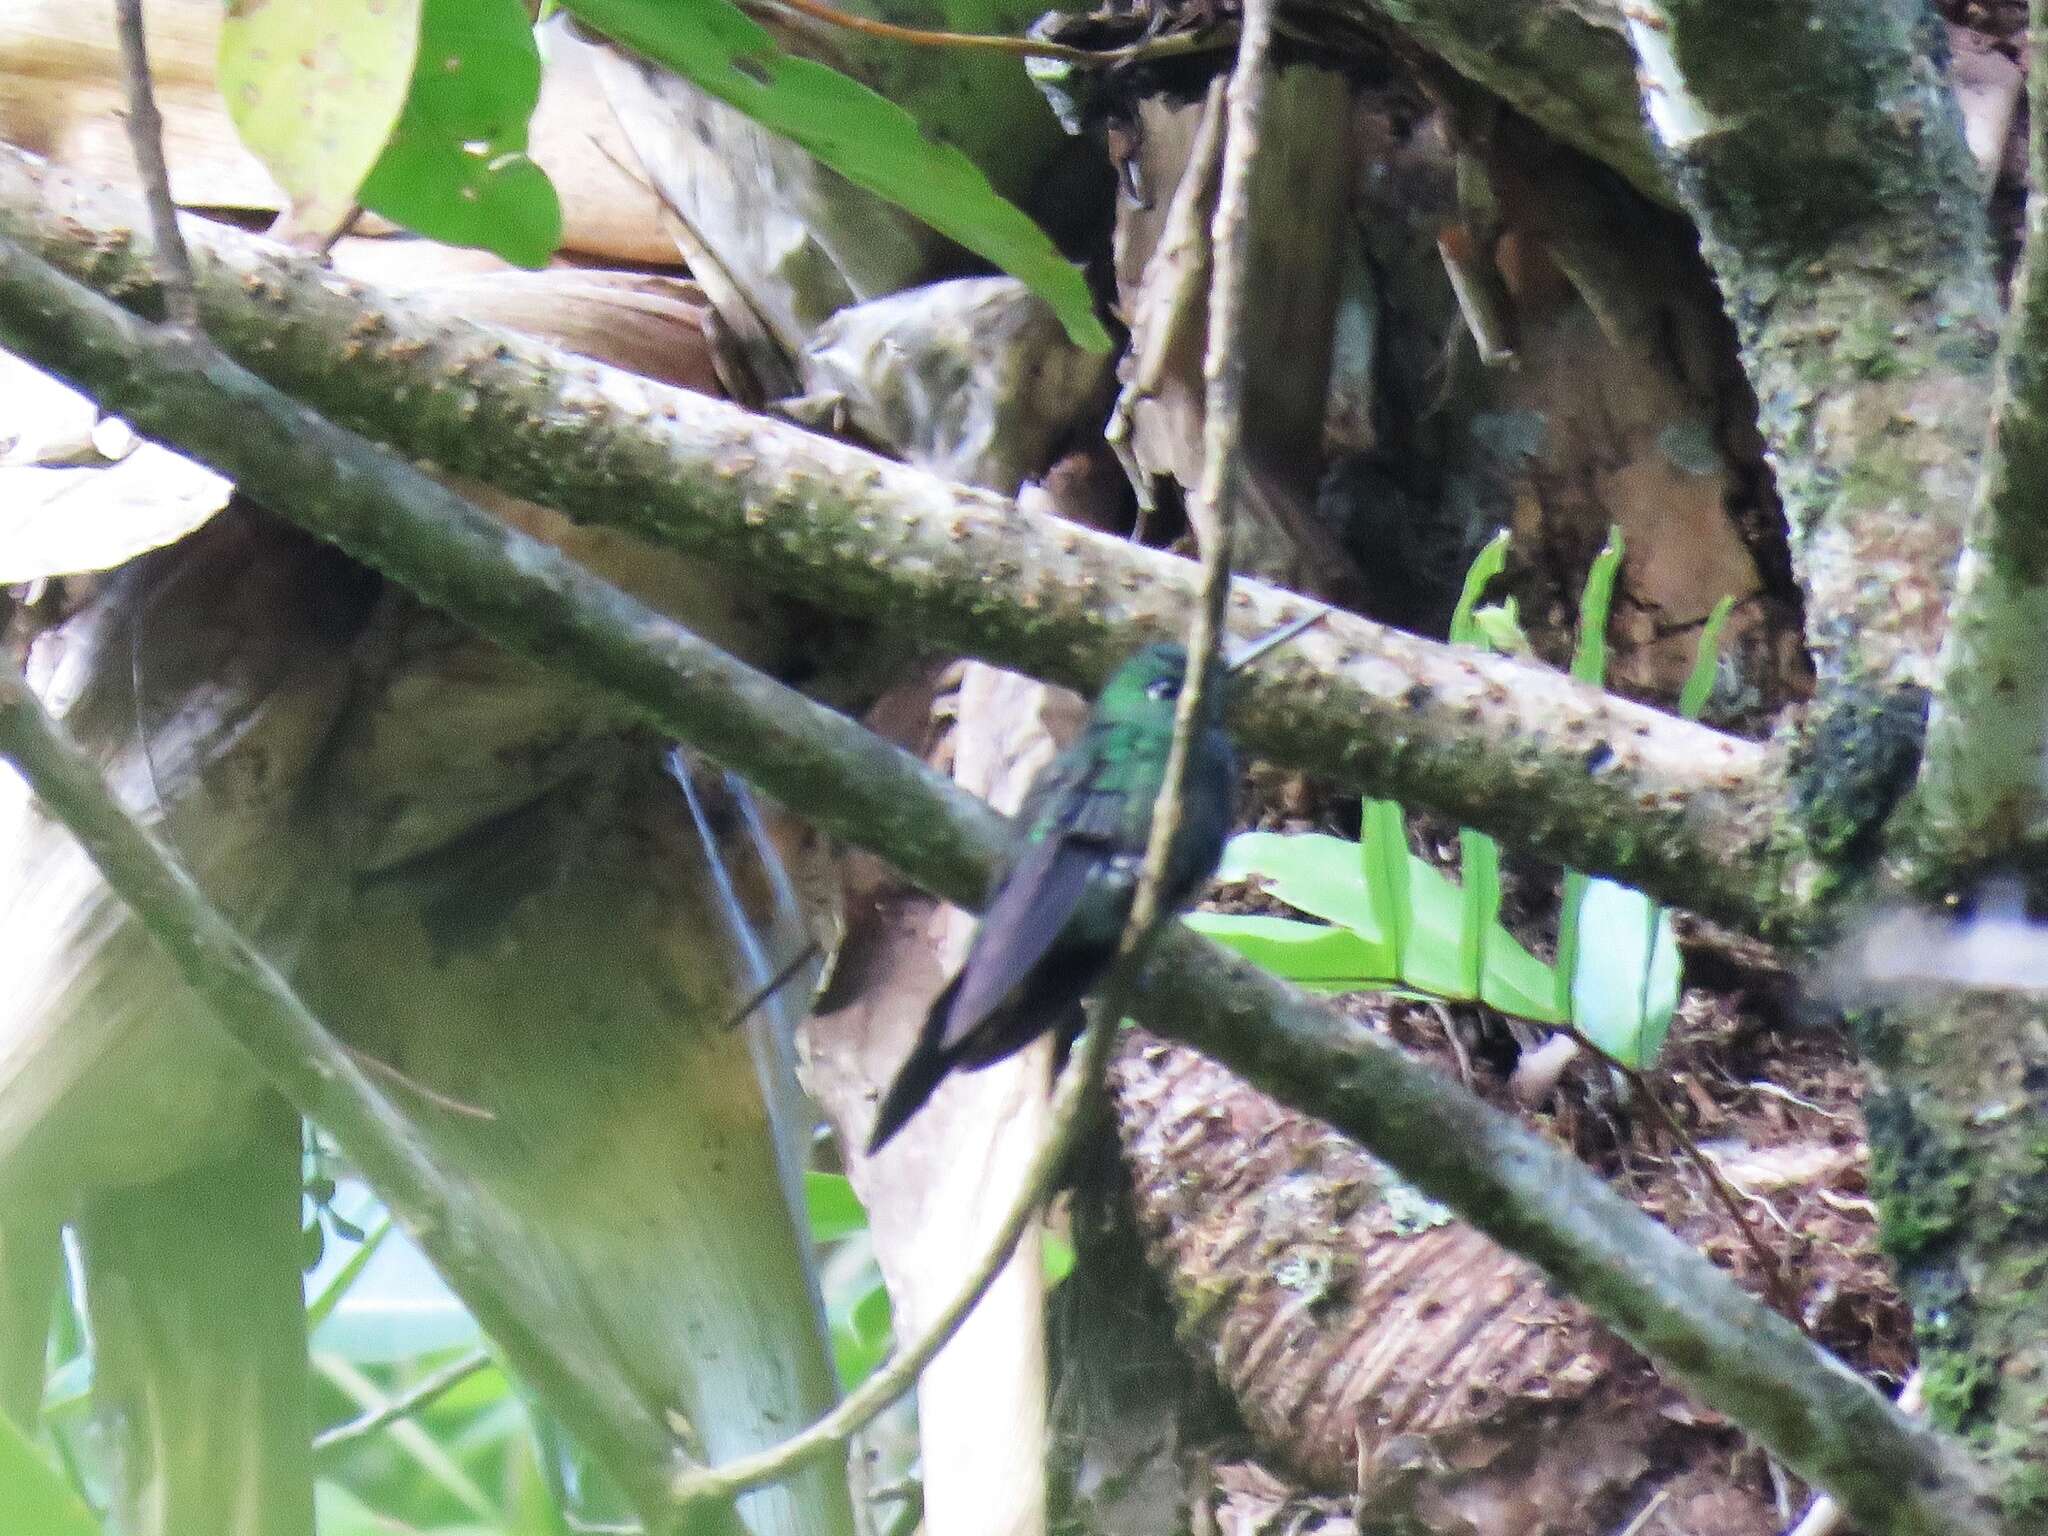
(921, 1073)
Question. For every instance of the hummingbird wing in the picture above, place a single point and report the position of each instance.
(1027, 920)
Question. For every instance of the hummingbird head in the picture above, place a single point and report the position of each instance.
(1146, 689)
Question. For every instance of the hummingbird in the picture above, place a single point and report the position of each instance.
(1059, 905)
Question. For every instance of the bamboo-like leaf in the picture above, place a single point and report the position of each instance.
(1479, 880)
(834, 1209)
(1699, 683)
(1316, 955)
(860, 134)
(1383, 851)
(1589, 658)
(1489, 563)
(1625, 986)
(322, 1306)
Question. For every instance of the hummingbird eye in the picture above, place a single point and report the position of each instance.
(1163, 688)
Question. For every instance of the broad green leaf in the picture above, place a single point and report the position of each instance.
(1625, 988)
(314, 88)
(1517, 983)
(33, 1496)
(1479, 879)
(456, 167)
(1311, 954)
(860, 134)
(1589, 658)
(1433, 955)
(1490, 562)
(1575, 884)
(1383, 855)
(835, 1210)
(1706, 661)
(1312, 872)
(1500, 972)
(872, 1317)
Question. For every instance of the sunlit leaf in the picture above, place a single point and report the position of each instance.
(1383, 855)
(314, 88)
(865, 137)
(1312, 872)
(1625, 988)
(1316, 955)
(33, 1496)
(835, 1210)
(1479, 881)
(456, 167)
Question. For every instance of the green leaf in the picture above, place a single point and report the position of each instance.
(1383, 853)
(1589, 658)
(456, 167)
(1479, 879)
(862, 1328)
(1310, 954)
(1433, 955)
(1491, 561)
(1706, 661)
(1575, 884)
(1312, 872)
(1516, 982)
(1500, 626)
(1056, 1255)
(33, 1496)
(863, 136)
(1625, 988)
(835, 1210)
(313, 88)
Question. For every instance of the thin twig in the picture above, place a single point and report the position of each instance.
(146, 139)
(1766, 1257)
(773, 985)
(406, 1404)
(414, 1086)
(1223, 372)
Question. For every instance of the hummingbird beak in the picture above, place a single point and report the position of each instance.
(1279, 637)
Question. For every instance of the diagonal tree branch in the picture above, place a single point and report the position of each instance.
(1520, 750)
(1895, 1478)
